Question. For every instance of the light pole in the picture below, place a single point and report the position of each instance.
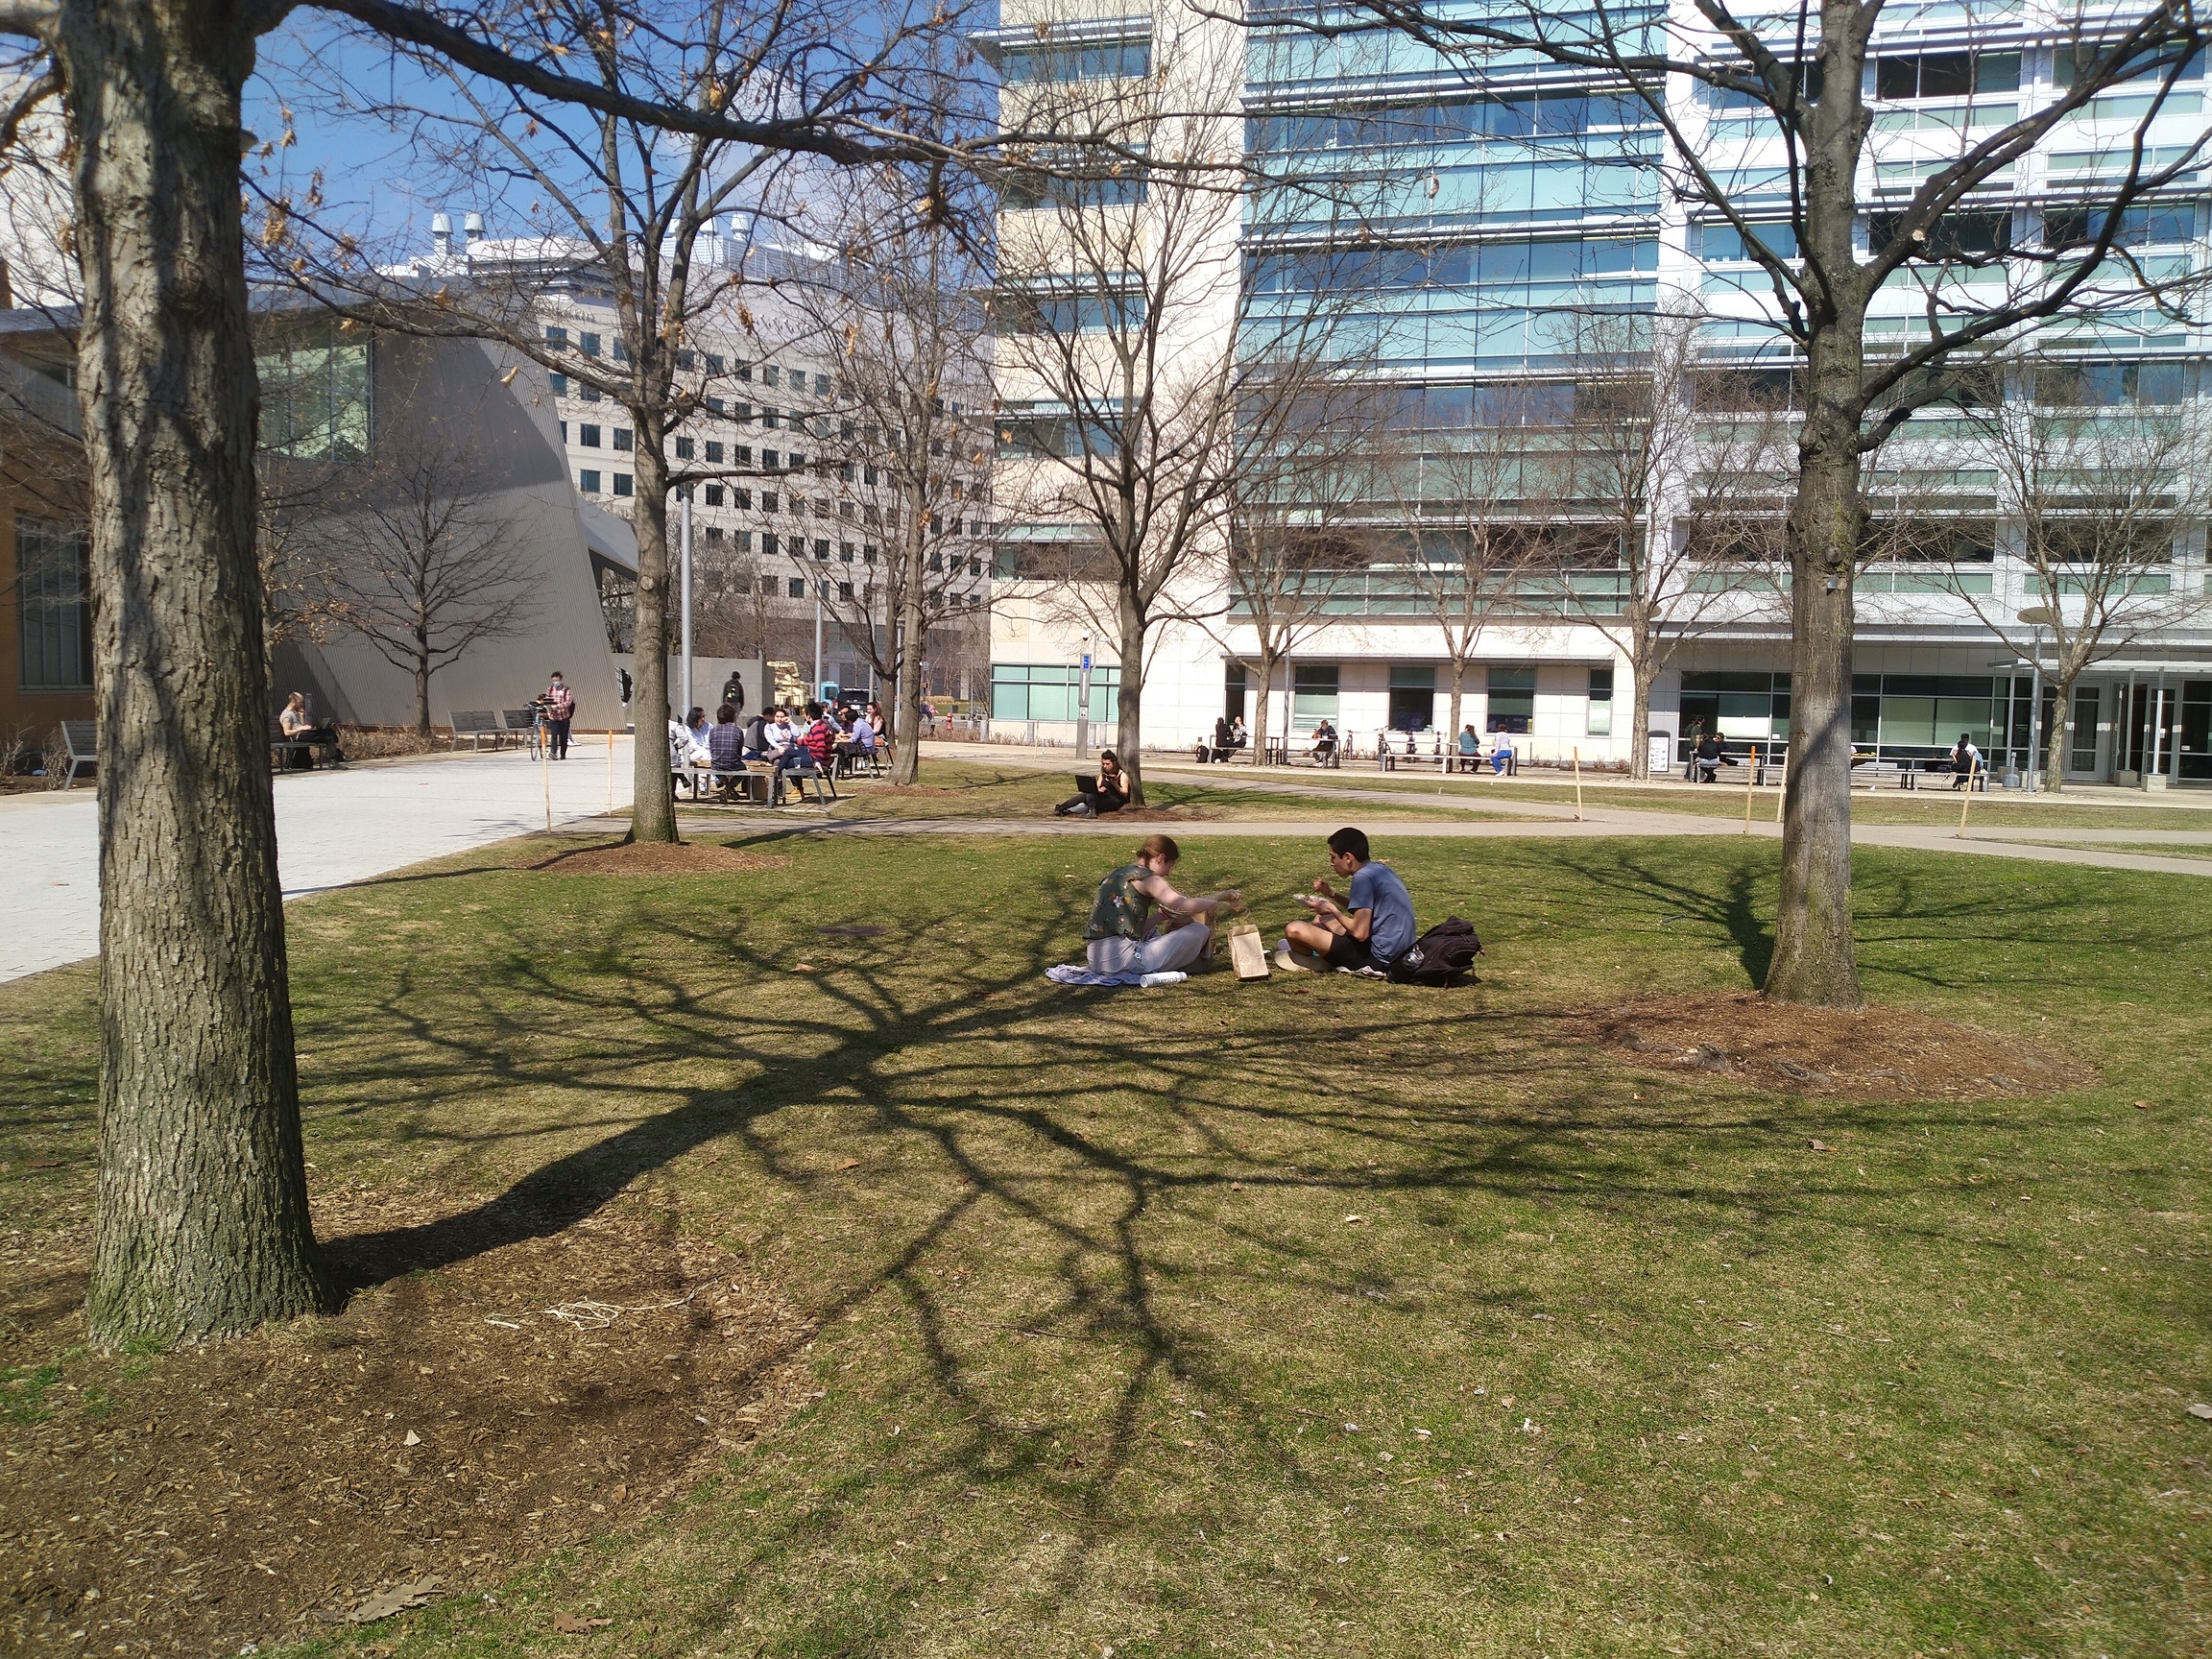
(684, 544)
(1083, 702)
(817, 641)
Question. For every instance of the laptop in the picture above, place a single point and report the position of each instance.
(1086, 785)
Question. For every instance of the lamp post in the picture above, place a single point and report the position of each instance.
(1083, 702)
(683, 544)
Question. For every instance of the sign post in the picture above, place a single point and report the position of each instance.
(1083, 704)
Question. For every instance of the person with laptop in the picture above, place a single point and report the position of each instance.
(1096, 797)
(1367, 931)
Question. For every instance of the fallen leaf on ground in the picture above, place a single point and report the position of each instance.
(2202, 1411)
(397, 1600)
(850, 1164)
(569, 1624)
(1820, 1146)
(803, 967)
(1350, 1219)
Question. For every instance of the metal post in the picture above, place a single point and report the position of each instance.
(2035, 721)
(817, 691)
(1083, 702)
(684, 508)
(2156, 757)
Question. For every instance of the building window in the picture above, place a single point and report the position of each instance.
(714, 452)
(1049, 691)
(744, 454)
(845, 470)
(768, 500)
(684, 357)
(315, 395)
(1412, 696)
(745, 372)
(844, 589)
(563, 425)
(684, 448)
(714, 405)
(868, 554)
(621, 483)
(588, 394)
(743, 413)
(556, 339)
(845, 552)
(587, 481)
(622, 438)
(821, 548)
(714, 495)
(768, 544)
(1600, 724)
(771, 374)
(559, 384)
(587, 435)
(744, 499)
(1512, 699)
(771, 417)
(2081, 756)
(768, 461)
(53, 606)
(1313, 695)
(590, 344)
(798, 587)
(744, 540)
(713, 362)
(715, 535)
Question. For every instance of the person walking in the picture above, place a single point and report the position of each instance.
(560, 709)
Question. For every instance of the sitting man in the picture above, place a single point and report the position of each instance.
(1710, 758)
(684, 753)
(1365, 938)
(1324, 744)
(861, 739)
(726, 749)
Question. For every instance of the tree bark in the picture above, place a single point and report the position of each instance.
(1640, 677)
(1257, 730)
(906, 740)
(2061, 738)
(1459, 693)
(1129, 699)
(653, 813)
(1814, 961)
(202, 1226)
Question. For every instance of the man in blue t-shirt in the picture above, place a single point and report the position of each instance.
(1372, 926)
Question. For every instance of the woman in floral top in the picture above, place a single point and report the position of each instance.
(1125, 935)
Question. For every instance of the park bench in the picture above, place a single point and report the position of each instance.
(476, 725)
(81, 740)
(521, 725)
(1940, 771)
(282, 747)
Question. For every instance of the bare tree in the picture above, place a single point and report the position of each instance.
(202, 1219)
(2100, 478)
(1672, 479)
(1298, 525)
(1802, 75)
(904, 314)
(429, 568)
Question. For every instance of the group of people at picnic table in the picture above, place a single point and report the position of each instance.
(792, 741)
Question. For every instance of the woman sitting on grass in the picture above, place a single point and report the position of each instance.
(1125, 935)
(1110, 796)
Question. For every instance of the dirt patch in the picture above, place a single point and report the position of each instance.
(660, 859)
(1866, 1053)
(455, 1423)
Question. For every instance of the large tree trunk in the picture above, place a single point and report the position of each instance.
(2059, 740)
(202, 1226)
(653, 814)
(907, 712)
(1129, 703)
(423, 689)
(1640, 676)
(1458, 696)
(1257, 730)
(1814, 961)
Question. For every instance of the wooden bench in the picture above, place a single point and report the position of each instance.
(476, 725)
(81, 740)
(282, 748)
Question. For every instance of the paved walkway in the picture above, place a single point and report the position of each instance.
(332, 828)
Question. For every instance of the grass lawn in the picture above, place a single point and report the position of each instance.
(1315, 1315)
(1936, 807)
(983, 789)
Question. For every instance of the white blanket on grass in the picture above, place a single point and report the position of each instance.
(1076, 974)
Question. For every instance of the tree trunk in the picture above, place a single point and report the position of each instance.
(1813, 962)
(906, 710)
(1640, 678)
(1258, 728)
(2061, 738)
(653, 814)
(421, 688)
(1459, 695)
(1129, 702)
(202, 1225)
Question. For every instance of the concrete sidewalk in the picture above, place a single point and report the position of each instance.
(333, 827)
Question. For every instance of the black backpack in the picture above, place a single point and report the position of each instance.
(1439, 956)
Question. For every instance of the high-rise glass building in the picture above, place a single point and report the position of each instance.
(1497, 249)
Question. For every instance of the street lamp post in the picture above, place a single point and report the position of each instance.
(1083, 702)
(684, 544)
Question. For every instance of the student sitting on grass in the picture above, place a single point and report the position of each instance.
(1125, 935)
(1368, 936)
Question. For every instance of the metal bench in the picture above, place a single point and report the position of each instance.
(281, 747)
(80, 738)
(522, 726)
(476, 725)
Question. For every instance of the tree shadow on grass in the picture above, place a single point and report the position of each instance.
(1083, 1126)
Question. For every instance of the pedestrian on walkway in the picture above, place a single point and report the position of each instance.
(560, 709)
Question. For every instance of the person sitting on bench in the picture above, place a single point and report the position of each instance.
(297, 727)
(1500, 754)
(1711, 757)
(1130, 930)
(1324, 744)
(1470, 750)
(1965, 763)
(1096, 797)
(1367, 931)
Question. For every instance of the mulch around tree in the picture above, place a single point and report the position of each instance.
(522, 1389)
(1862, 1053)
(660, 859)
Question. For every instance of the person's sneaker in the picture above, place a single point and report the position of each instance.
(1364, 972)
